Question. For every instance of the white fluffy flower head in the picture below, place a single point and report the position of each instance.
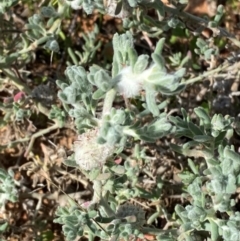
(88, 153)
(130, 84)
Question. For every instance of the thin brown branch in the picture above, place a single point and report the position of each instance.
(38, 134)
(218, 31)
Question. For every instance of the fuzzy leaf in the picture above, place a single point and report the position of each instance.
(141, 64)
(98, 94)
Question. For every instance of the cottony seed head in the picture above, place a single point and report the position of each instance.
(88, 153)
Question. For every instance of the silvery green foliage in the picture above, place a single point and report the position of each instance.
(118, 124)
(43, 28)
(8, 191)
(175, 59)
(126, 8)
(212, 185)
(113, 184)
(58, 114)
(152, 131)
(36, 27)
(134, 73)
(100, 78)
(90, 47)
(126, 221)
(112, 128)
(52, 45)
(130, 73)
(217, 18)
(230, 230)
(20, 113)
(209, 132)
(76, 222)
(173, 22)
(6, 4)
(77, 93)
(120, 9)
(3, 227)
(178, 60)
(205, 50)
(87, 5)
(48, 12)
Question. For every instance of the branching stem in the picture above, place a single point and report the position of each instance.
(218, 31)
(38, 134)
(229, 66)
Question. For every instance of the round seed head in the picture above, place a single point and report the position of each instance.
(88, 153)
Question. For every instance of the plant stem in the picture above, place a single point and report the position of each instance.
(38, 134)
(23, 87)
(218, 31)
(17, 82)
(229, 66)
(155, 231)
(42, 40)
